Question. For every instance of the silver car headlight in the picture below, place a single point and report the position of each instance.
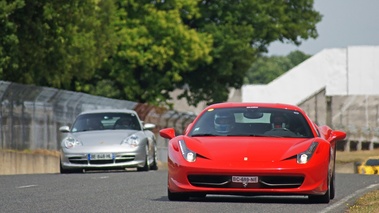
(188, 154)
(304, 157)
(132, 140)
(71, 142)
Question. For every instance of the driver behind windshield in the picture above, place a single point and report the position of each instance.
(279, 121)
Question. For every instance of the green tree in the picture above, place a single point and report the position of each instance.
(241, 31)
(141, 50)
(154, 51)
(50, 42)
(8, 35)
(267, 68)
(202, 47)
(296, 57)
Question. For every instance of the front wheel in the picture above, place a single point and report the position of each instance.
(322, 198)
(154, 165)
(67, 171)
(333, 187)
(62, 170)
(146, 166)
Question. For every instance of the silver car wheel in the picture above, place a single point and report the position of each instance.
(146, 166)
(154, 164)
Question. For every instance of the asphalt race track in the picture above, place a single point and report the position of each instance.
(131, 191)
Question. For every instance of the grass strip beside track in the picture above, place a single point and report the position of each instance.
(369, 202)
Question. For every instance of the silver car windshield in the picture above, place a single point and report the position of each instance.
(106, 121)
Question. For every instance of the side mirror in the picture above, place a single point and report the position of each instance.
(148, 126)
(64, 129)
(168, 133)
(338, 135)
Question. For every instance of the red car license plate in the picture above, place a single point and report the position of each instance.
(245, 179)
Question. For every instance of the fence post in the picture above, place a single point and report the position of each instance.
(329, 111)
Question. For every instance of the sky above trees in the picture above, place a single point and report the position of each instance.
(344, 23)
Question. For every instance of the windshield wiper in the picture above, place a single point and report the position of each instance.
(255, 135)
(203, 134)
(210, 134)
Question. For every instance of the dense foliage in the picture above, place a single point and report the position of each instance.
(141, 50)
(53, 43)
(267, 68)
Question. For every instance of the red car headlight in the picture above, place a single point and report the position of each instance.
(304, 157)
(188, 154)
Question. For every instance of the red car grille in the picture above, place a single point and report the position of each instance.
(225, 181)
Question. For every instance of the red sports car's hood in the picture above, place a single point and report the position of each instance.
(259, 149)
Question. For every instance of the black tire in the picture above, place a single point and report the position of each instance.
(177, 196)
(154, 165)
(333, 187)
(63, 171)
(322, 198)
(146, 166)
(68, 171)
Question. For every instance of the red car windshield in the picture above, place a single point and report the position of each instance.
(268, 122)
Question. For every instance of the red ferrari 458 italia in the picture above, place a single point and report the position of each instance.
(252, 149)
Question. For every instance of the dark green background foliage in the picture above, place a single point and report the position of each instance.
(142, 50)
(266, 69)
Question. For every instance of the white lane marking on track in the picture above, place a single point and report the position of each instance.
(27, 186)
(345, 199)
(102, 177)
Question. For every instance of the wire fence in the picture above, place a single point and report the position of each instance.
(31, 115)
(357, 115)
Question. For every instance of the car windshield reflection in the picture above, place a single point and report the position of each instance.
(257, 122)
(106, 121)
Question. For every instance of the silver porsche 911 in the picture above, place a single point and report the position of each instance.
(108, 139)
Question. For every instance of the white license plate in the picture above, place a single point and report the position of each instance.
(245, 179)
(104, 156)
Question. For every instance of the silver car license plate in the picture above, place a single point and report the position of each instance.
(101, 156)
